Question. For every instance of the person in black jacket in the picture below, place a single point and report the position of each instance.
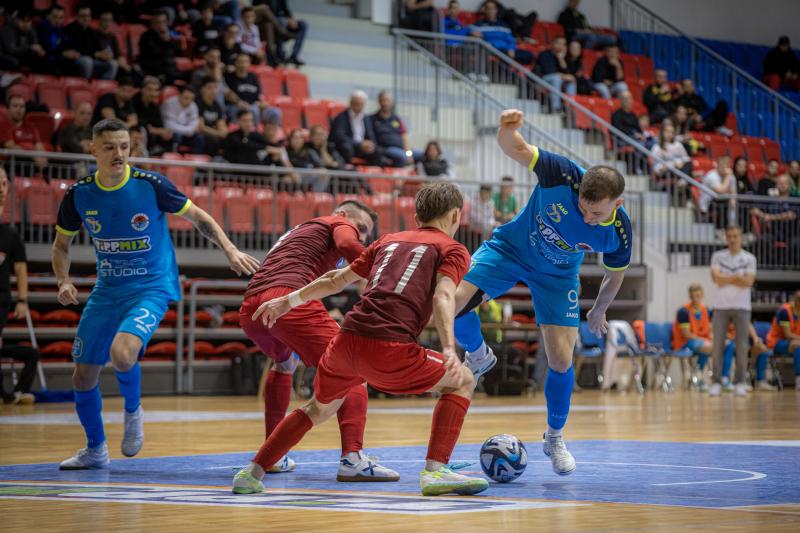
(577, 28)
(608, 75)
(781, 66)
(245, 146)
(292, 28)
(701, 115)
(19, 44)
(157, 51)
(352, 132)
(206, 30)
(658, 98)
(625, 120)
(84, 39)
(301, 156)
(552, 66)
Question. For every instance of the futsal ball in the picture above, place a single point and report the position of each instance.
(503, 458)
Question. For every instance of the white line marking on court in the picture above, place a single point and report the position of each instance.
(782, 443)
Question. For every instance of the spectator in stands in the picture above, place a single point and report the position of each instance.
(608, 75)
(230, 46)
(117, 104)
(552, 66)
(740, 171)
(301, 156)
(352, 132)
(433, 163)
(207, 30)
(692, 329)
(673, 154)
(250, 36)
(108, 46)
(626, 121)
(781, 66)
(498, 34)
(212, 127)
(505, 202)
(158, 50)
(784, 335)
(419, 15)
(290, 28)
(83, 39)
(701, 116)
(575, 67)
(520, 24)
(780, 217)
(648, 139)
(483, 214)
(721, 181)
(766, 185)
(245, 93)
(794, 176)
(52, 36)
(681, 122)
(19, 44)
(13, 252)
(20, 135)
(733, 270)
(183, 119)
(276, 155)
(319, 143)
(658, 98)
(148, 112)
(451, 24)
(212, 68)
(391, 134)
(76, 137)
(245, 146)
(577, 28)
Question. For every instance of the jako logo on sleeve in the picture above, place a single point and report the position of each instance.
(122, 246)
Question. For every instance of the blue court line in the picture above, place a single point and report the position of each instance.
(658, 473)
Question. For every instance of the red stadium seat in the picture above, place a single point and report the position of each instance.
(229, 349)
(120, 31)
(184, 63)
(645, 68)
(717, 148)
(57, 349)
(731, 123)
(296, 84)
(323, 202)
(52, 95)
(202, 349)
(701, 165)
(231, 318)
(335, 108)
(168, 92)
(736, 148)
(60, 317)
(170, 318)
(164, 349)
(291, 112)
(300, 209)
(590, 57)
(239, 210)
(79, 94)
(316, 114)
(135, 32)
(104, 86)
(41, 204)
(271, 80)
(271, 210)
(772, 150)
(754, 151)
(43, 123)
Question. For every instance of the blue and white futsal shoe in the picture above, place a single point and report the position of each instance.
(133, 438)
(284, 464)
(87, 458)
(553, 447)
(480, 366)
(365, 469)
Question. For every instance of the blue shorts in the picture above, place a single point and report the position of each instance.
(782, 347)
(104, 316)
(694, 346)
(555, 298)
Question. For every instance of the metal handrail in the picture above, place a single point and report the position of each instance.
(536, 80)
(704, 48)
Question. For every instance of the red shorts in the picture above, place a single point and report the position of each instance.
(306, 330)
(392, 367)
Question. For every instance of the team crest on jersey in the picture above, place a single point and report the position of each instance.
(553, 213)
(121, 246)
(77, 348)
(93, 224)
(140, 221)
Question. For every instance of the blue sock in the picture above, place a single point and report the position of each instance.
(702, 360)
(468, 331)
(727, 359)
(797, 362)
(558, 391)
(89, 405)
(130, 385)
(761, 366)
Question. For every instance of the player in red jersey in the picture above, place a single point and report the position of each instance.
(300, 256)
(408, 276)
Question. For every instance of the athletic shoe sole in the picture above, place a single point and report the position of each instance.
(464, 489)
(366, 479)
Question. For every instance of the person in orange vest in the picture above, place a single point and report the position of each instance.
(784, 336)
(692, 329)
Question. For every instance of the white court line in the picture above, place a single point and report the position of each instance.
(783, 443)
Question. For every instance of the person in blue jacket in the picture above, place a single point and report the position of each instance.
(499, 35)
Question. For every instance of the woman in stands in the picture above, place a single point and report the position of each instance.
(433, 164)
(301, 156)
(575, 67)
(743, 183)
(674, 157)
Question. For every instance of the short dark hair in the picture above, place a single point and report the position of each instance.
(208, 79)
(436, 199)
(248, 9)
(355, 204)
(507, 179)
(243, 112)
(159, 12)
(108, 124)
(486, 187)
(187, 87)
(212, 48)
(13, 96)
(733, 227)
(695, 287)
(124, 80)
(600, 183)
(55, 7)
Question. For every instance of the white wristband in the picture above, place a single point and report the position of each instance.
(295, 300)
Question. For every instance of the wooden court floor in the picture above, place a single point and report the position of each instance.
(681, 418)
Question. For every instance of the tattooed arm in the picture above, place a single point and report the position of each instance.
(240, 262)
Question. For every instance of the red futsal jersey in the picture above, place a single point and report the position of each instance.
(401, 271)
(305, 252)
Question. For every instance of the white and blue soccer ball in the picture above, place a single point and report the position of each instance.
(503, 458)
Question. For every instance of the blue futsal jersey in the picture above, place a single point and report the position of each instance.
(549, 234)
(128, 227)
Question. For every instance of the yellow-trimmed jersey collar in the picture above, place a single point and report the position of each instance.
(613, 219)
(118, 186)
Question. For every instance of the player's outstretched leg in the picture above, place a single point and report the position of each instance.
(479, 357)
(277, 394)
(288, 433)
(89, 406)
(448, 418)
(124, 357)
(355, 465)
(559, 344)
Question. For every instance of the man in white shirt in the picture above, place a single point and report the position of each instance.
(734, 272)
(182, 117)
(483, 219)
(722, 181)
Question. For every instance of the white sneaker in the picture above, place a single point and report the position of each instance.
(715, 389)
(553, 447)
(364, 470)
(87, 458)
(133, 439)
(285, 464)
(727, 386)
(23, 398)
(245, 483)
(445, 481)
(481, 366)
(740, 389)
(763, 385)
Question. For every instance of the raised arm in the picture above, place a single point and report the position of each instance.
(332, 282)
(510, 140)
(240, 262)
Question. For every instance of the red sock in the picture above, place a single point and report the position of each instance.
(448, 417)
(277, 394)
(286, 435)
(352, 417)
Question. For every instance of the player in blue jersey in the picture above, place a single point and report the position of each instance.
(571, 211)
(125, 211)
